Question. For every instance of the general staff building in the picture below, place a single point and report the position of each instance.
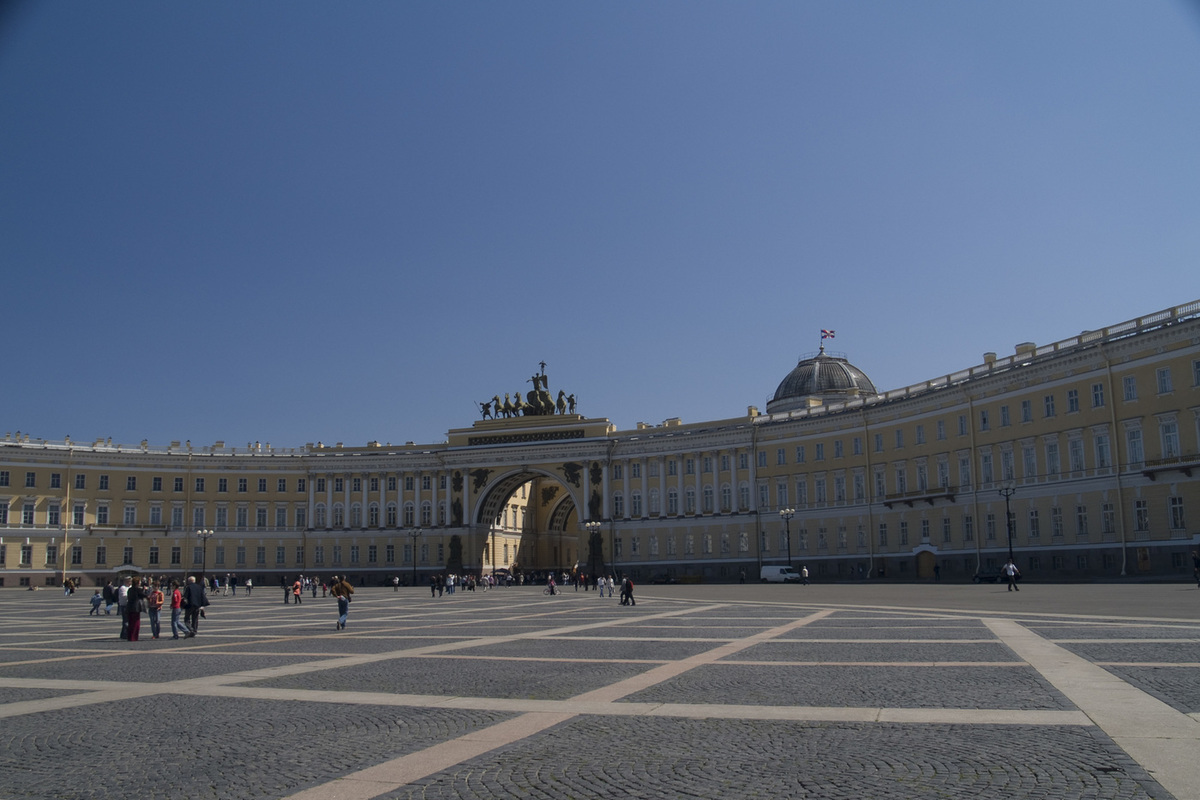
(1077, 457)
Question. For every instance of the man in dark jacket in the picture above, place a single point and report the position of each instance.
(194, 599)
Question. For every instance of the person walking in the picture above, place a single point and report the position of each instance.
(342, 590)
(135, 601)
(177, 626)
(297, 591)
(154, 604)
(194, 599)
(123, 605)
(97, 599)
(804, 575)
(1010, 571)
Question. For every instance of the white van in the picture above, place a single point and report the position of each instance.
(779, 575)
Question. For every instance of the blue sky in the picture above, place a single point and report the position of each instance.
(297, 221)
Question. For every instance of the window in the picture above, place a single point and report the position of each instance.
(27, 514)
(1081, 521)
(131, 483)
(199, 485)
(1052, 462)
(154, 554)
(837, 449)
(76, 555)
(1133, 445)
(80, 480)
(1175, 513)
(356, 484)
(1169, 431)
(983, 420)
(262, 484)
(260, 517)
(1103, 451)
(1141, 515)
(780, 457)
(104, 483)
(1072, 401)
(102, 554)
(302, 485)
(1048, 405)
(941, 429)
(883, 534)
(1029, 461)
(1075, 454)
(800, 455)
(985, 468)
(280, 517)
(156, 515)
(1056, 522)
(1097, 395)
(56, 480)
(899, 438)
(968, 528)
(819, 451)
(1004, 418)
(101, 515)
(1035, 524)
(1108, 518)
(4, 478)
(31, 480)
(1026, 411)
(762, 462)
(1129, 387)
(426, 483)
(989, 525)
(178, 485)
(857, 447)
(879, 443)
(1163, 377)
(176, 555)
(243, 484)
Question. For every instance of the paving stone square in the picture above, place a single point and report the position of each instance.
(699, 691)
(460, 677)
(781, 650)
(861, 687)
(599, 759)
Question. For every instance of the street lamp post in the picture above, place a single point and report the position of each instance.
(415, 533)
(786, 514)
(204, 535)
(593, 529)
(1007, 489)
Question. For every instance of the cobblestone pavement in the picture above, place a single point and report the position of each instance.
(704, 692)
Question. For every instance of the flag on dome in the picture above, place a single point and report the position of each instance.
(826, 334)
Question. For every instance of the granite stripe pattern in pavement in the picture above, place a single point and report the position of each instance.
(699, 691)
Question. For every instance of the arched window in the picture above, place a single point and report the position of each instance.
(356, 515)
(726, 498)
(391, 515)
(708, 499)
(373, 515)
(635, 503)
(339, 515)
(618, 501)
(426, 513)
(672, 502)
(319, 515)
(408, 515)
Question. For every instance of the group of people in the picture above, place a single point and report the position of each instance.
(134, 597)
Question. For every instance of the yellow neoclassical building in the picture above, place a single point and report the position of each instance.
(1077, 457)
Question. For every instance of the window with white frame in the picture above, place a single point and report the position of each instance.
(1163, 378)
(1129, 388)
(1175, 512)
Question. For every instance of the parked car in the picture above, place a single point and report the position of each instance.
(779, 575)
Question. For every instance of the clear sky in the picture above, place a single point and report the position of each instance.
(296, 221)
